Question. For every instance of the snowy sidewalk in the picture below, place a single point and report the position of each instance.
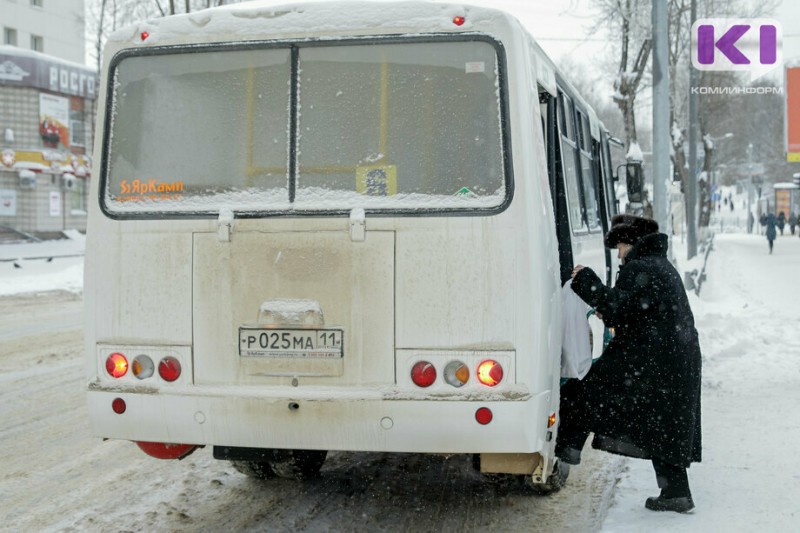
(43, 266)
(72, 244)
(748, 316)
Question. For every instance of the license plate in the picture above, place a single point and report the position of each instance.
(287, 342)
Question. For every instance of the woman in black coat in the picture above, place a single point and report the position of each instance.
(642, 397)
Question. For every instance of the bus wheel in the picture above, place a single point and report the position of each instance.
(254, 469)
(297, 464)
(555, 481)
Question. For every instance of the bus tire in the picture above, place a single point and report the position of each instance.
(297, 464)
(254, 469)
(555, 481)
(288, 464)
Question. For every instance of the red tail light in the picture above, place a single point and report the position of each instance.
(117, 365)
(483, 415)
(118, 405)
(458, 20)
(490, 372)
(423, 374)
(169, 369)
(164, 450)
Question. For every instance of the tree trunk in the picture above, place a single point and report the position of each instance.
(704, 189)
(629, 117)
(679, 161)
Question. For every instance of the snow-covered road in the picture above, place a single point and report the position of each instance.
(55, 477)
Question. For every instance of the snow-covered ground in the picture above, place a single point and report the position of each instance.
(44, 266)
(748, 315)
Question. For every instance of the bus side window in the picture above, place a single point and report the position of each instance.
(569, 162)
(588, 177)
(608, 202)
(554, 117)
(546, 108)
(608, 196)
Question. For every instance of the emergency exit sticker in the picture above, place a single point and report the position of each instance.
(475, 66)
(464, 192)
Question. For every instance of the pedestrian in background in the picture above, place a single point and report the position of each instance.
(792, 221)
(781, 221)
(770, 223)
(642, 397)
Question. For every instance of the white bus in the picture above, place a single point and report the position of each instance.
(338, 227)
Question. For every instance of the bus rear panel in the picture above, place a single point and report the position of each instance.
(313, 241)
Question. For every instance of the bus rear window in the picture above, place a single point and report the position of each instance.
(392, 126)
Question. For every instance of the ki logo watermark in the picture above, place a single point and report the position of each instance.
(752, 45)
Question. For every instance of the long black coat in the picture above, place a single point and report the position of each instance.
(642, 397)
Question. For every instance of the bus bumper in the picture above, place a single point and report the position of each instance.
(313, 421)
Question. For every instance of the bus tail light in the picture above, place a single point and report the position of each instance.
(459, 20)
(118, 405)
(490, 372)
(165, 450)
(142, 367)
(142, 364)
(423, 374)
(483, 415)
(456, 373)
(117, 365)
(169, 369)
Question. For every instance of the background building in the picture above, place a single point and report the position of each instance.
(54, 27)
(47, 110)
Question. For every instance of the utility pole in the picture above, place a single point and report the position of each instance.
(691, 190)
(750, 180)
(661, 129)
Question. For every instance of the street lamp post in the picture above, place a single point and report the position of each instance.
(750, 181)
(713, 167)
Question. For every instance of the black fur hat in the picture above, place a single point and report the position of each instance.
(629, 229)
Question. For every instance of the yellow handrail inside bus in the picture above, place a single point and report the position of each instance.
(252, 170)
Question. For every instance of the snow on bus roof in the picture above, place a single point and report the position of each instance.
(259, 17)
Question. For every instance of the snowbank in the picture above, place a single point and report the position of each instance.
(43, 266)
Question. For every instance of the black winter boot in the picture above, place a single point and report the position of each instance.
(674, 484)
(680, 504)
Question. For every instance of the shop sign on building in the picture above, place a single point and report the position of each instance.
(792, 108)
(8, 203)
(55, 204)
(54, 120)
(8, 157)
(31, 69)
(46, 161)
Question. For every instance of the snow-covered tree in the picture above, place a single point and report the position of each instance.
(630, 20)
(106, 16)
